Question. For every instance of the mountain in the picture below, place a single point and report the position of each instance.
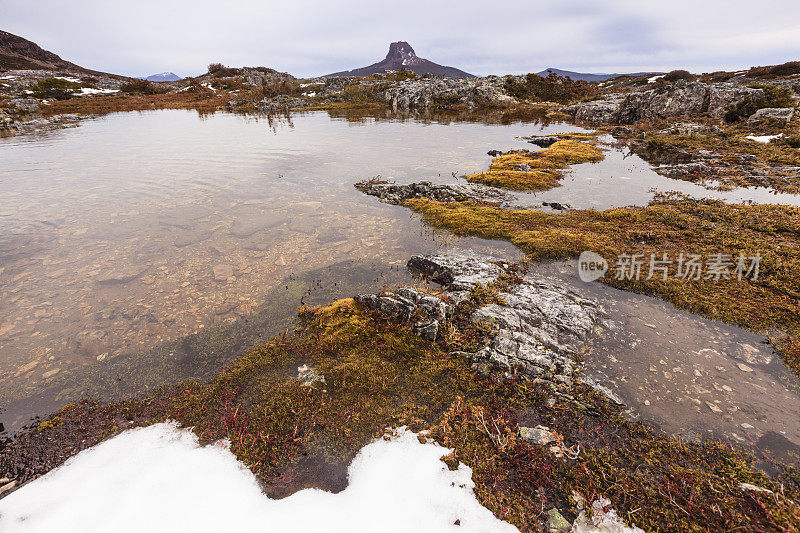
(164, 76)
(590, 77)
(402, 57)
(17, 53)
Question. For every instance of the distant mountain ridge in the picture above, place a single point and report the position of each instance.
(575, 76)
(17, 53)
(401, 56)
(164, 76)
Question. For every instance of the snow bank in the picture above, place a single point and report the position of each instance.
(764, 138)
(655, 78)
(160, 479)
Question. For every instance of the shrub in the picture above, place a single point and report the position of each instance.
(553, 88)
(676, 75)
(54, 88)
(276, 87)
(772, 71)
(228, 84)
(141, 87)
(774, 96)
(218, 70)
(793, 141)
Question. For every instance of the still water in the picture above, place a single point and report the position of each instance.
(132, 231)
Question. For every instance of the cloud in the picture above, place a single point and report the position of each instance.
(312, 37)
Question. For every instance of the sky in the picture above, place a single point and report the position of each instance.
(315, 37)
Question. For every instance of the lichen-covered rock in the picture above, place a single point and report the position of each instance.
(541, 327)
(429, 91)
(281, 102)
(773, 116)
(458, 270)
(540, 435)
(723, 96)
(6, 121)
(24, 105)
(406, 303)
(392, 193)
(604, 111)
(678, 99)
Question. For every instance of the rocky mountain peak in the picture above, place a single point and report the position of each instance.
(401, 56)
(400, 50)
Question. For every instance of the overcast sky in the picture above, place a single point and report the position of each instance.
(314, 37)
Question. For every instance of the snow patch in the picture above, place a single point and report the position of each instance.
(91, 90)
(764, 138)
(655, 78)
(159, 478)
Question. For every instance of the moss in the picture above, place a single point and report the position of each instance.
(545, 165)
(670, 224)
(51, 422)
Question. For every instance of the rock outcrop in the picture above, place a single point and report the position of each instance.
(772, 116)
(678, 99)
(539, 327)
(392, 193)
(429, 92)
